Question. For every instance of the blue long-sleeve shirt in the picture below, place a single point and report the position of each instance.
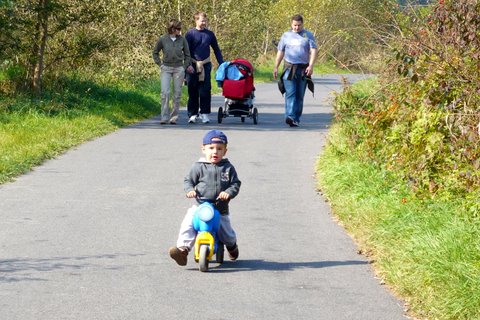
(200, 41)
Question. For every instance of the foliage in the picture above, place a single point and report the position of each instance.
(401, 165)
(424, 121)
(43, 38)
(51, 35)
(118, 39)
(426, 251)
(237, 30)
(345, 30)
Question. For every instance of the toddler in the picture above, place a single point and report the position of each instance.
(214, 179)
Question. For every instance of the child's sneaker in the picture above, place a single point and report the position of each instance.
(179, 255)
(233, 252)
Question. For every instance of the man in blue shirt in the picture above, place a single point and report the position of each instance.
(200, 39)
(298, 49)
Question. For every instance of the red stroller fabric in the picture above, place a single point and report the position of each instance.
(243, 88)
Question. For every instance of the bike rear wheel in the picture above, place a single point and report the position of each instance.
(220, 253)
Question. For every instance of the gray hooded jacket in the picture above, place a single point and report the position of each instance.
(209, 179)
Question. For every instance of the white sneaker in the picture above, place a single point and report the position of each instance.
(192, 119)
(204, 118)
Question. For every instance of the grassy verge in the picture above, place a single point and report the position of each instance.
(33, 130)
(427, 251)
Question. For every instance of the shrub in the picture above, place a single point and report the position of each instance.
(424, 122)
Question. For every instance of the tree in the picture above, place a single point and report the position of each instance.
(51, 33)
(43, 10)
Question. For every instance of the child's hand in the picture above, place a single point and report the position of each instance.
(223, 196)
(191, 194)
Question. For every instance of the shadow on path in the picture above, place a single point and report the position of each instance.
(256, 265)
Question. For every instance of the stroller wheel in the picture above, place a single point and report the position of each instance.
(255, 116)
(220, 115)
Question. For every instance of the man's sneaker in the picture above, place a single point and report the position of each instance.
(233, 252)
(294, 124)
(179, 255)
(204, 118)
(289, 121)
(192, 119)
(163, 121)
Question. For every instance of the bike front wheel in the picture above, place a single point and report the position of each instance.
(203, 258)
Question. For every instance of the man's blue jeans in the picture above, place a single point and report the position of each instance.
(295, 92)
(199, 93)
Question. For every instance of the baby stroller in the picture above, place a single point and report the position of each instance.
(236, 79)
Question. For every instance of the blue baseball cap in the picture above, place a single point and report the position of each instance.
(215, 136)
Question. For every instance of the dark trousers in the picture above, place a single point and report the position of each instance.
(199, 93)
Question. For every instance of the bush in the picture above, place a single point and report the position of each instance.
(424, 122)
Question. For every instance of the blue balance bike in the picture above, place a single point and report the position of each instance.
(206, 221)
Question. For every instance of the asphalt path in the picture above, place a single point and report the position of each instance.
(86, 235)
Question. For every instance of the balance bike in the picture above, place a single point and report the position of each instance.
(206, 221)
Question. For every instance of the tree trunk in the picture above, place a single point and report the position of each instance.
(265, 51)
(40, 45)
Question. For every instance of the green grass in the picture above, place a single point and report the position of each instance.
(34, 129)
(427, 251)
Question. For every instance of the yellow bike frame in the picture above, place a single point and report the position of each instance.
(204, 237)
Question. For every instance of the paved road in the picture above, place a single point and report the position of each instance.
(85, 236)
